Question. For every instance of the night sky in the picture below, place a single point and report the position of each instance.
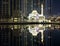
(56, 6)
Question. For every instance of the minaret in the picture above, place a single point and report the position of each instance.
(41, 9)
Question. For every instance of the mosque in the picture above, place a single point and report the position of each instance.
(36, 17)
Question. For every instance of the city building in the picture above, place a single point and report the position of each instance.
(5, 8)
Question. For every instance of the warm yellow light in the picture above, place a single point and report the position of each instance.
(15, 26)
(50, 25)
(42, 35)
(34, 12)
(40, 25)
(15, 19)
(34, 33)
(49, 20)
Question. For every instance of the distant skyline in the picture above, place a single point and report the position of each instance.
(55, 6)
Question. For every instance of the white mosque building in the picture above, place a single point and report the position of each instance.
(36, 17)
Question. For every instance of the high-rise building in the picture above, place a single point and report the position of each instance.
(22, 8)
(0, 7)
(26, 6)
(5, 8)
(17, 8)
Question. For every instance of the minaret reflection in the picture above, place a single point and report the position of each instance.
(35, 29)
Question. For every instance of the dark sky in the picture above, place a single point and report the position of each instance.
(56, 6)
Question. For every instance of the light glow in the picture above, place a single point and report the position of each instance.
(36, 29)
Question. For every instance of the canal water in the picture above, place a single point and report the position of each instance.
(30, 35)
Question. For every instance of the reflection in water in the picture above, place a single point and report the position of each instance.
(31, 35)
(35, 29)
